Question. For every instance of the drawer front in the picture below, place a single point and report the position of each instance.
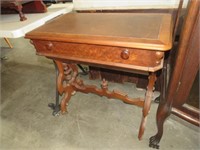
(102, 55)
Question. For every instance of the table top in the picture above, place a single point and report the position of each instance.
(135, 30)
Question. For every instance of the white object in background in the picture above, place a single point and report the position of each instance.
(125, 4)
(11, 27)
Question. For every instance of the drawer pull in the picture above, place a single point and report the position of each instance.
(49, 46)
(125, 54)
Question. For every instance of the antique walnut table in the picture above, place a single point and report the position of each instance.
(121, 41)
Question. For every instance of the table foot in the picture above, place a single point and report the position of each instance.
(154, 141)
(55, 108)
(22, 18)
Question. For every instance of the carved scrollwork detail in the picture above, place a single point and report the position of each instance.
(68, 83)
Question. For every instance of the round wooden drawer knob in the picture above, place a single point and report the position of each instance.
(49, 46)
(125, 54)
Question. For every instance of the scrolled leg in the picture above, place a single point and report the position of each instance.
(66, 98)
(66, 77)
(162, 113)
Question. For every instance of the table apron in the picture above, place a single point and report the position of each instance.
(100, 55)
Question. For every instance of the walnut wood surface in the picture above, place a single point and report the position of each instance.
(144, 31)
(102, 55)
(129, 42)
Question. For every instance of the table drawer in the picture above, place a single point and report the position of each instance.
(102, 55)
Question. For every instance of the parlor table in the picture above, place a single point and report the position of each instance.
(131, 42)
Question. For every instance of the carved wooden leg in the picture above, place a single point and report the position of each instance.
(147, 103)
(67, 74)
(21, 14)
(66, 98)
(163, 112)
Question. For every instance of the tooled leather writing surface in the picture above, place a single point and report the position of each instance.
(107, 25)
(120, 29)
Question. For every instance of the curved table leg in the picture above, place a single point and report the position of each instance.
(66, 75)
(162, 113)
